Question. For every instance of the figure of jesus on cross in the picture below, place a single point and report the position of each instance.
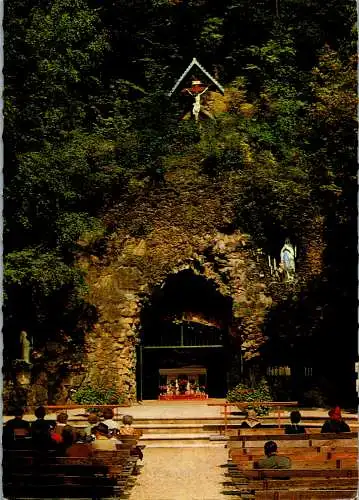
(196, 91)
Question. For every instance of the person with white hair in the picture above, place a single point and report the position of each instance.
(251, 421)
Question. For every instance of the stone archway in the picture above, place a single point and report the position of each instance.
(121, 289)
(185, 324)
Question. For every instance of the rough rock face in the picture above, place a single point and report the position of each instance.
(119, 289)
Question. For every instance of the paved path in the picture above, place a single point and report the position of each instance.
(185, 409)
(181, 474)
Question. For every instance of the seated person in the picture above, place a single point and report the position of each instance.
(108, 419)
(293, 427)
(335, 423)
(66, 431)
(92, 420)
(272, 460)
(127, 430)
(81, 447)
(18, 422)
(102, 440)
(251, 421)
(16, 428)
(40, 430)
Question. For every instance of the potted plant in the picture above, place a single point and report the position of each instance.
(202, 388)
(241, 393)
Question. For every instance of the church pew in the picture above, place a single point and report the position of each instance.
(301, 453)
(298, 449)
(65, 477)
(298, 494)
(309, 479)
(308, 463)
(294, 440)
(309, 483)
(268, 436)
(260, 431)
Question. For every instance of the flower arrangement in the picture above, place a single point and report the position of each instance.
(163, 389)
(242, 393)
(202, 388)
(182, 384)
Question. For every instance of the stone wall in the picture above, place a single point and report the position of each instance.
(119, 289)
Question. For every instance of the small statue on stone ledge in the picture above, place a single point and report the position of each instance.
(25, 347)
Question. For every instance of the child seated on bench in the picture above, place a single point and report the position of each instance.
(272, 460)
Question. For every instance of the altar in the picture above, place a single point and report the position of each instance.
(188, 382)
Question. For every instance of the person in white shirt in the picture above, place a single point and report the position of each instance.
(108, 419)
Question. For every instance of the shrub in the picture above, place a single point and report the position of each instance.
(315, 398)
(100, 395)
(243, 393)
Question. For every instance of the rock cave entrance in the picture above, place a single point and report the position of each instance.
(184, 325)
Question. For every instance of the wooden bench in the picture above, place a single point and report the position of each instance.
(320, 462)
(246, 454)
(277, 405)
(310, 479)
(294, 440)
(104, 475)
(300, 494)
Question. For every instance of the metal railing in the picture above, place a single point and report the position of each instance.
(243, 405)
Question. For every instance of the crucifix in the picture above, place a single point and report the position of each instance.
(196, 91)
(197, 88)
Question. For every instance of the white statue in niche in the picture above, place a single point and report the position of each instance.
(25, 347)
(287, 258)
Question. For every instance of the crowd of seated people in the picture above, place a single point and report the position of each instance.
(64, 439)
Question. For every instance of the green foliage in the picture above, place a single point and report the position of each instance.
(99, 395)
(87, 122)
(44, 273)
(314, 397)
(243, 393)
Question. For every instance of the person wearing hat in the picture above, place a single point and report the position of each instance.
(102, 441)
(335, 423)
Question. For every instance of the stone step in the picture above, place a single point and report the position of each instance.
(182, 444)
(170, 428)
(177, 440)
